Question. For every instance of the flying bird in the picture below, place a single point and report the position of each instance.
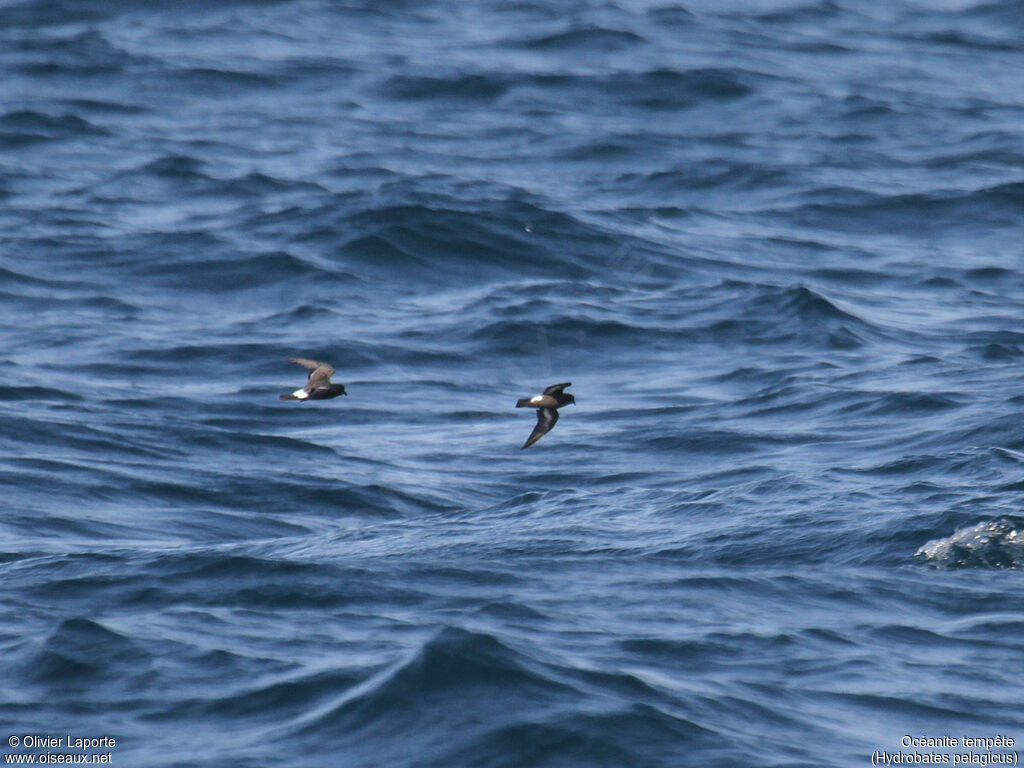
(318, 385)
(547, 406)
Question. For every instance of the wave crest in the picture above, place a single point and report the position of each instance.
(993, 544)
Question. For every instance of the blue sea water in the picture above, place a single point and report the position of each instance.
(776, 246)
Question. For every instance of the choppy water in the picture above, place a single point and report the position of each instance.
(777, 248)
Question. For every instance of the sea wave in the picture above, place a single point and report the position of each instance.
(995, 543)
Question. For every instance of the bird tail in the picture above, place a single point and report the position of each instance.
(524, 403)
(289, 397)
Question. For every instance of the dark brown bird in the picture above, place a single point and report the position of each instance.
(547, 406)
(318, 384)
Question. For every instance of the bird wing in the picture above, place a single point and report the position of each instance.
(556, 389)
(546, 418)
(319, 373)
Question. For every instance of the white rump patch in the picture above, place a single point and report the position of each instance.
(536, 398)
(300, 393)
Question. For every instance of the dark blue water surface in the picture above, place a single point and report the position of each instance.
(776, 245)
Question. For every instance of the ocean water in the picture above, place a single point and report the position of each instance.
(777, 246)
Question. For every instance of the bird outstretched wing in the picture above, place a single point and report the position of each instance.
(546, 418)
(319, 373)
(556, 389)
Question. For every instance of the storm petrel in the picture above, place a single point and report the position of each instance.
(547, 406)
(318, 385)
